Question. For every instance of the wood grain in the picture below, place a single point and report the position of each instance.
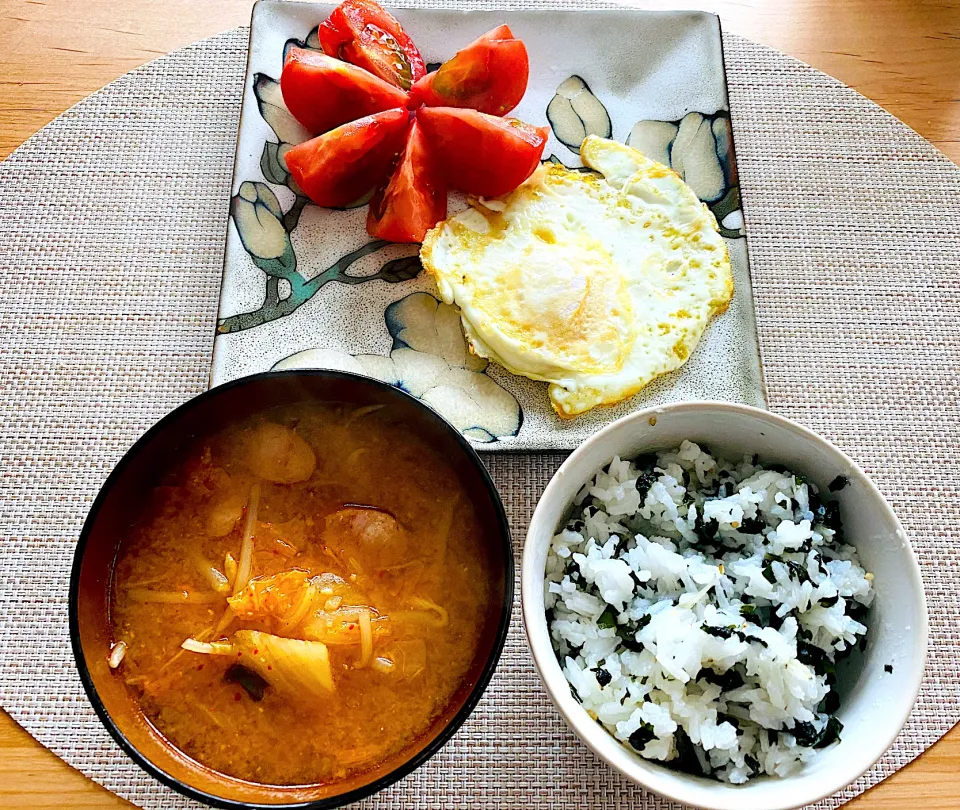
(903, 54)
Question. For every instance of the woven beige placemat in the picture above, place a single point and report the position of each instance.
(111, 234)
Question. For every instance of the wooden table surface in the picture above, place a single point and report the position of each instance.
(903, 54)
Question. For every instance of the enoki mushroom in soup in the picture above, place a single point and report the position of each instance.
(303, 597)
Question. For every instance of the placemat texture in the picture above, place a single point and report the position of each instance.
(112, 221)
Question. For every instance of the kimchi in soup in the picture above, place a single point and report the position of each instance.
(303, 596)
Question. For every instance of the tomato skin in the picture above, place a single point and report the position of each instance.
(323, 93)
(489, 75)
(414, 199)
(337, 168)
(482, 154)
(364, 34)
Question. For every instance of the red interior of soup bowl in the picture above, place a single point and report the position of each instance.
(119, 504)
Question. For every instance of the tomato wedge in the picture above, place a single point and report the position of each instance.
(414, 198)
(362, 33)
(322, 92)
(482, 154)
(339, 167)
(489, 75)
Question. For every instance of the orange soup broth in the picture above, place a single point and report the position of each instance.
(362, 460)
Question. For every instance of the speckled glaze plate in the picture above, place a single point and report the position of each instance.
(305, 286)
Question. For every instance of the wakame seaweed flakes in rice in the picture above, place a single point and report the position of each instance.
(699, 607)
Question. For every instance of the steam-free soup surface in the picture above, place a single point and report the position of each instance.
(304, 597)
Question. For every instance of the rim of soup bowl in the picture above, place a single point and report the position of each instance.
(405, 768)
(686, 788)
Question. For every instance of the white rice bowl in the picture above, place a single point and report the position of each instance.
(698, 608)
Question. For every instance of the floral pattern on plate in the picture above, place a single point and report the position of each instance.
(307, 287)
(430, 360)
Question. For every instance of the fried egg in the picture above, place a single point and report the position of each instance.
(595, 282)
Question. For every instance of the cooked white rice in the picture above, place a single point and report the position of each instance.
(698, 608)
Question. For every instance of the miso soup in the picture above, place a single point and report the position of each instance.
(303, 596)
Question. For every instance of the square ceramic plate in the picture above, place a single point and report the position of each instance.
(305, 286)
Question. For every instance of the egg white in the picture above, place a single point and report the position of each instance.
(597, 283)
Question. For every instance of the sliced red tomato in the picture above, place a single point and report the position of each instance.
(339, 167)
(362, 33)
(482, 154)
(414, 198)
(489, 75)
(322, 92)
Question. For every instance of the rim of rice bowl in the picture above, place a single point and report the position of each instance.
(874, 707)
